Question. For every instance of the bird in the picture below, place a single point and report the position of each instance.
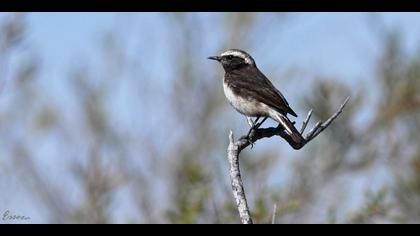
(252, 94)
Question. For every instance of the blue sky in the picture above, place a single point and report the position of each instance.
(333, 35)
(341, 44)
(334, 44)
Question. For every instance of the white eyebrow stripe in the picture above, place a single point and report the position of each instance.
(247, 59)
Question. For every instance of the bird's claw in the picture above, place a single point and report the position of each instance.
(250, 141)
(248, 137)
(254, 126)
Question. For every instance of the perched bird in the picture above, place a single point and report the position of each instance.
(251, 93)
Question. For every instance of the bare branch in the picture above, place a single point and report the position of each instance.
(305, 122)
(313, 130)
(254, 135)
(236, 180)
(328, 122)
(273, 219)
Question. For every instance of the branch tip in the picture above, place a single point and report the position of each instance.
(230, 136)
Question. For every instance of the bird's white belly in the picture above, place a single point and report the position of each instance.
(248, 107)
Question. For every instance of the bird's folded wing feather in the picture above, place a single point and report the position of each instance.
(256, 85)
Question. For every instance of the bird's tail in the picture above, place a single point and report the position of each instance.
(289, 127)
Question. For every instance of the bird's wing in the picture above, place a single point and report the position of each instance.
(259, 87)
(269, 84)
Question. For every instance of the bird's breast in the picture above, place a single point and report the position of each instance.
(244, 105)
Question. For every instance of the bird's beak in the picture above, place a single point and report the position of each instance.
(216, 58)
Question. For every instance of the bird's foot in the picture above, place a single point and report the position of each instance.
(254, 126)
(249, 139)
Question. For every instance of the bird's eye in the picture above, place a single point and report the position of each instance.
(230, 57)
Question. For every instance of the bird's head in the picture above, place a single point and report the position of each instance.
(234, 59)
